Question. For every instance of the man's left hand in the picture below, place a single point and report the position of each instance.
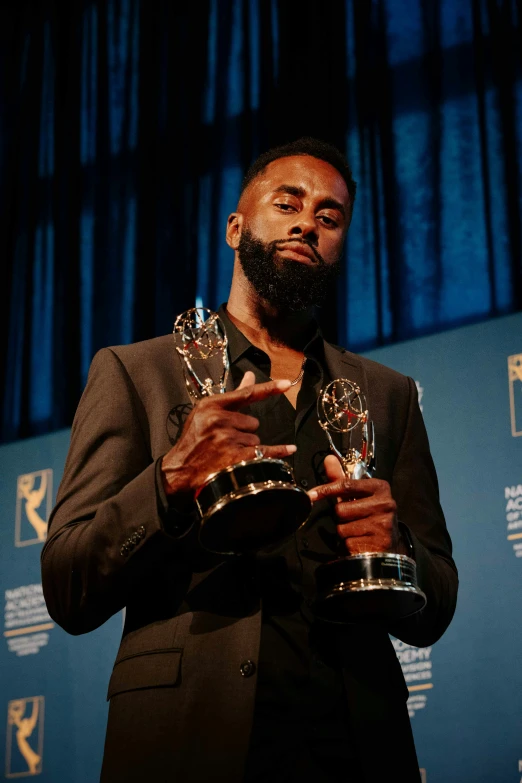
(365, 510)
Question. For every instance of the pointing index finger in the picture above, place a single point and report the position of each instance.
(356, 488)
(245, 395)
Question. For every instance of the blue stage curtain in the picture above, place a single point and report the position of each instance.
(126, 126)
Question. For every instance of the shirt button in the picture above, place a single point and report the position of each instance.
(247, 668)
(304, 483)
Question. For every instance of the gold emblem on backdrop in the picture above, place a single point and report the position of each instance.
(34, 496)
(515, 393)
(25, 736)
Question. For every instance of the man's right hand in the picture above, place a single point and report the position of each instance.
(217, 435)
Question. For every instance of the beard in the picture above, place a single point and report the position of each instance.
(285, 284)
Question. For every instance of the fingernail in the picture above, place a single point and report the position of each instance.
(291, 449)
(313, 495)
(283, 385)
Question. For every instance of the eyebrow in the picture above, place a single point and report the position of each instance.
(331, 203)
(325, 203)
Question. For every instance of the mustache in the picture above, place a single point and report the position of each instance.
(277, 243)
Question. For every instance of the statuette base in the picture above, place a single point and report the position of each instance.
(371, 588)
(250, 506)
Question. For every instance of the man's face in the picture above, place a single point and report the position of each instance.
(295, 217)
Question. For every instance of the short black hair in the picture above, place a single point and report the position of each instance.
(305, 146)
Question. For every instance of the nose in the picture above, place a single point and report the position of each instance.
(304, 226)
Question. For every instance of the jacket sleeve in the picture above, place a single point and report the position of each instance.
(111, 520)
(415, 489)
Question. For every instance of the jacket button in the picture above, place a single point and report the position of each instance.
(304, 483)
(247, 668)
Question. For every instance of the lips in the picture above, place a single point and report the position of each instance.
(298, 250)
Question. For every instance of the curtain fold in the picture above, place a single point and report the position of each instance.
(126, 127)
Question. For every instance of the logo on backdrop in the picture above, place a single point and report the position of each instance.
(26, 620)
(416, 667)
(420, 392)
(515, 393)
(34, 493)
(24, 749)
(513, 511)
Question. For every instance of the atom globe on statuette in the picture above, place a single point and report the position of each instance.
(253, 504)
(371, 587)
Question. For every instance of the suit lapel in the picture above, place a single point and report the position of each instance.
(343, 364)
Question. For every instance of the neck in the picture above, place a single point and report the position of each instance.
(263, 324)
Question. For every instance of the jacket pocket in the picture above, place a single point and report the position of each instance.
(161, 668)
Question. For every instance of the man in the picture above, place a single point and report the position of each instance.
(223, 672)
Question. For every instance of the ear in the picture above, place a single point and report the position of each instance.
(234, 226)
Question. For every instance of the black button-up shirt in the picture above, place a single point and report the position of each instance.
(299, 671)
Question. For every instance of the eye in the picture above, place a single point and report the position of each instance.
(328, 221)
(283, 206)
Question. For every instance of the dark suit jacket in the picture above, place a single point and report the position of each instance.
(181, 710)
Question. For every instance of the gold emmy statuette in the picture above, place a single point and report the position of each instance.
(255, 503)
(372, 587)
(24, 728)
(33, 500)
(515, 393)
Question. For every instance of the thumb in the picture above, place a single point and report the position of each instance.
(248, 379)
(333, 468)
(334, 473)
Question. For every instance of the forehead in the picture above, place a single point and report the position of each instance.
(316, 177)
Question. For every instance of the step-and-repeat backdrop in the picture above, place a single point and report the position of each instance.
(465, 692)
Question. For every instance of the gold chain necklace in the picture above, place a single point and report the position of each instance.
(299, 377)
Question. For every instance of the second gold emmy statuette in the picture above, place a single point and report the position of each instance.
(372, 587)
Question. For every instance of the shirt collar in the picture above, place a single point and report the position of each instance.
(238, 344)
